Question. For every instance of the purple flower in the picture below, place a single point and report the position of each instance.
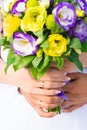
(51, 0)
(82, 4)
(80, 30)
(65, 15)
(19, 7)
(24, 44)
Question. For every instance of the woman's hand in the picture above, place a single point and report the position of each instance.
(76, 92)
(52, 80)
(41, 103)
(22, 78)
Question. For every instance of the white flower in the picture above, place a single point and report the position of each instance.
(44, 3)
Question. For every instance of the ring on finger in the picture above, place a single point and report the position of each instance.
(39, 103)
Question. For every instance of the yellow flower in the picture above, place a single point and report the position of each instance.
(80, 13)
(34, 19)
(39, 53)
(57, 45)
(10, 25)
(31, 3)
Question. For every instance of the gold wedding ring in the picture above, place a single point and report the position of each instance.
(39, 103)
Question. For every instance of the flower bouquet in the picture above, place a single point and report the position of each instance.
(37, 32)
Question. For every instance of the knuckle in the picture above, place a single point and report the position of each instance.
(50, 100)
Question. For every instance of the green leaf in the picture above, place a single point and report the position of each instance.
(21, 62)
(34, 72)
(38, 74)
(74, 57)
(57, 110)
(44, 44)
(39, 34)
(42, 68)
(84, 47)
(10, 60)
(45, 62)
(36, 61)
(4, 42)
(76, 45)
(59, 61)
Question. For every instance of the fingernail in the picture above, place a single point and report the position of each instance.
(65, 73)
(68, 78)
(63, 84)
(57, 92)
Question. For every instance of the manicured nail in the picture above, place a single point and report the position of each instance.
(57, 91)
(63, 84)
(68, 78)
(65, 73)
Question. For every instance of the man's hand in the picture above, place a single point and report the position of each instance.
(76, 92)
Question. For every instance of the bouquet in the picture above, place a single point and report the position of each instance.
(38, 32)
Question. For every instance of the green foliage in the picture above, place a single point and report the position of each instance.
(74, 57)
(76, 45)
(4, 42)
(84, 47)
(59, 61)
(36, 61)
(10, 60)
(21, 62)
(42, 67)
(57, 110)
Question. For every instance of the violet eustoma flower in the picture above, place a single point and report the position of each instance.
(80, 30)
(65, 15)
(24, 44)
(82, 4)
(19, 7)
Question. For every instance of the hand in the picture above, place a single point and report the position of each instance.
(76, 92)
(53, 79)
(41, 103)
(23, 79)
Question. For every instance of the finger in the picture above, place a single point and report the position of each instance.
(49, 84)
(56, 79)
(37, 108)
(72, 108)
(46, 99)
(49, 106)
(44, 91)
(43, 113)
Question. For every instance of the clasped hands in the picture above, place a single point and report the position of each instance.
(42, 94)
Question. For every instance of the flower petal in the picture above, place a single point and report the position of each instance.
(24, 44)
(80, 30)
(65, 15)
(19, 7)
